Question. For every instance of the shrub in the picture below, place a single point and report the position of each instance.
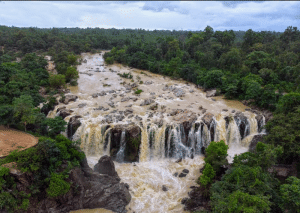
(138, 91)
(57, 81)
(58, 186)
(215, 155)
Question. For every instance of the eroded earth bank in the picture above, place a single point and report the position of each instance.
(156, 138)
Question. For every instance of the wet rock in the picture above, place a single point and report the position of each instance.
(225, 110)
(111, 91)
(148, 82)
(125, 99)
(84, 61)
(99, 108)
(183, 201)
(120, 117)
(153, 107)
(114, 95)
(122, 95)
(233, 111)
(182, 175)
(179, 160)
(130, 116)
(175, 112)
(242, 122)
(179, 92)
(95, 95)
(247, 109)
(191, 91)
(130, 105)
(102, 93)
(260, 119)
(73, 125)
(147, 102)
(69, 98)
(127, 91)
(165, 88)
(200, 107)
(105, 165)
(185, 171)
(105, 109)
(138, 118)
(208, 118)
(175, 174)
(164, 188)
(128, 111)
(204, 111)
(114, 111)
(63, 112)
(159, 122)
(213, 99)
(152, 93)
(211, 93)
(82, 105)
(134, 99)
(111, 104)
(254, 141)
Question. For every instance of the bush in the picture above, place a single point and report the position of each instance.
(57, 81)
(138, 91)
(207, 176)
(58, 186)
(215, 155)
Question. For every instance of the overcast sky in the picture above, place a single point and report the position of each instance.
(174, 15)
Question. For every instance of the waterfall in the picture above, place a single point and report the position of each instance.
(191, 140)
(159, 142)
(120, 154)
(220, 133)
(144, 147)
(199, 144)
(253, 129)
(233, 133)
(206, 139)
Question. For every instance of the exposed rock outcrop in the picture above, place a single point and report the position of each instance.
(105, 165)
(211, 93)
(88, 190)
(73, 125)
(69, 98)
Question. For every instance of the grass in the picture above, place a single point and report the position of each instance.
(138, 91)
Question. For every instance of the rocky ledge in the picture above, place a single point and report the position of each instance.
(90, 189)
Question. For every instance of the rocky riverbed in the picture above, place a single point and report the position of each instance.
(155, 138)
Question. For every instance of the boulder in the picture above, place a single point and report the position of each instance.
(148, 82)
(147, 102)
(105, 165)
(185, 171)
(211, 93)
(128, 111)
(102, 93)
(69, 98)
(63, 112)
(95, 95)
(164, 188)
(73, 125)
(182, 175)
(82, 105)
(125, 99)
(111, 104)
(179, 92)
(208, 118)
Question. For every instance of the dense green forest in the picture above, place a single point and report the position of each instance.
(261, 67)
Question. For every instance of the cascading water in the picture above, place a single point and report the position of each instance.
(120, 154)
(160, 145)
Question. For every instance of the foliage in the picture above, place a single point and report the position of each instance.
(57, 81)
(55, 125)
(138, 91)
(284, 130)
(71, 74)
(44, 163)
(215, 155)
(125, 75)
(290, 193)
(207, 176)
(288, 103)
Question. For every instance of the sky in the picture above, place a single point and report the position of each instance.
(151, 15)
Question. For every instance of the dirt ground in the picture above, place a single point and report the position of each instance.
(11, 139)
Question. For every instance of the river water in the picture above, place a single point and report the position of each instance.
(154, 170)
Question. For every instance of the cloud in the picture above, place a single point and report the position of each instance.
(195, 15)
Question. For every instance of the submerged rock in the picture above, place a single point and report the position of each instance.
(147, 102)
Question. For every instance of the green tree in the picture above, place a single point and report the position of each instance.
(71, 74)
(55, 125)
(23, 109)
(215, 155)
(290, 194)
(57, 81)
